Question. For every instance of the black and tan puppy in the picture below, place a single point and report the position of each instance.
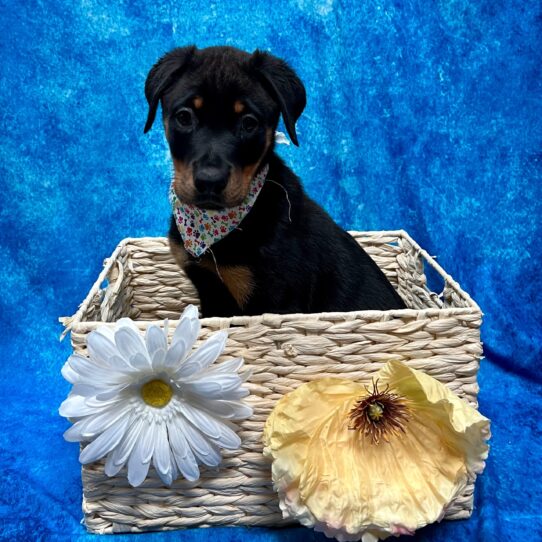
(220, 109)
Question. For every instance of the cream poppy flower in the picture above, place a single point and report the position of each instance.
(364, 464)
(137, 401)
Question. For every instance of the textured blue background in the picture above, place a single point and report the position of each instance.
(423, 116)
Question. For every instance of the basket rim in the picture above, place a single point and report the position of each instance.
(75, 322)
(226, 322)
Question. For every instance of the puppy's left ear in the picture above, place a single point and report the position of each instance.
(162, 76)
(283, 85)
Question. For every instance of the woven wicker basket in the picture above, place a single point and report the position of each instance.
(438, 333)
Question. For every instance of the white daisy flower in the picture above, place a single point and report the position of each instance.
(138, 401)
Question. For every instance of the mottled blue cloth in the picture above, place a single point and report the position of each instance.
(421, 115)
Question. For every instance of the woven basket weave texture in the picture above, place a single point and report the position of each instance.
(438, 333)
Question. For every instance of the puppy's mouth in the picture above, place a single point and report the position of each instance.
(209, 202)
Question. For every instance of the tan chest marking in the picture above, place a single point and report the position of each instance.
(238, 279)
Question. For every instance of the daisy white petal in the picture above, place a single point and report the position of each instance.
(109, 393)
(161, 456)
(184, 457)
(174, 469)
(129, 343)
(73, 433)
(219, 433)
(228, 438)
(99, 423)
(202, 448)
(100, 404)
(188, 327)
(184, 337)
(203, 356)
(91, 426)
(127, 322)
(137, 468)
(107, 331)
(148, 439)
(139, 459)
(230, 366)
(229, 410)
(68, 372)
(86, 390)
(213, 387)
(85, 370)
(175, 355)
(140, 362)
(158, 359)
(206, 423)
(167, 478)
(101, 348)
(76, 406)
(156, 343)
(233, 395)
(105, 442)
(110, 468)
(119, 456)
(118, 363)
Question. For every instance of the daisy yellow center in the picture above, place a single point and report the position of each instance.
(156, 393)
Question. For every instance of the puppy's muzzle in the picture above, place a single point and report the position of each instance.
(210, 181)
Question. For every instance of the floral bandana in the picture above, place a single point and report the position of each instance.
(202, 228)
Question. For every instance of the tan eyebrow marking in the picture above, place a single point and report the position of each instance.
(238, 106)
(198, 102)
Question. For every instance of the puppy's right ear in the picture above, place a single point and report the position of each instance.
(162, 76)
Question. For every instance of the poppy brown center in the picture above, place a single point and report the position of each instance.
(379, 415)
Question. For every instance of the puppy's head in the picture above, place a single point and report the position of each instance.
(220, 109)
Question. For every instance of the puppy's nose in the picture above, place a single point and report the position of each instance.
(211, 180)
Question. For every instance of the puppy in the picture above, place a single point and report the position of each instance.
(252, 241)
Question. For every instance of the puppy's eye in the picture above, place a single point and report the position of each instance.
(185, 117)
(249, 123)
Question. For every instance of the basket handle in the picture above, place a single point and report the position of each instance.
(110, 292)
(114, 274)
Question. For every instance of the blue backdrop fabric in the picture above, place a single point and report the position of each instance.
(421, 115)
